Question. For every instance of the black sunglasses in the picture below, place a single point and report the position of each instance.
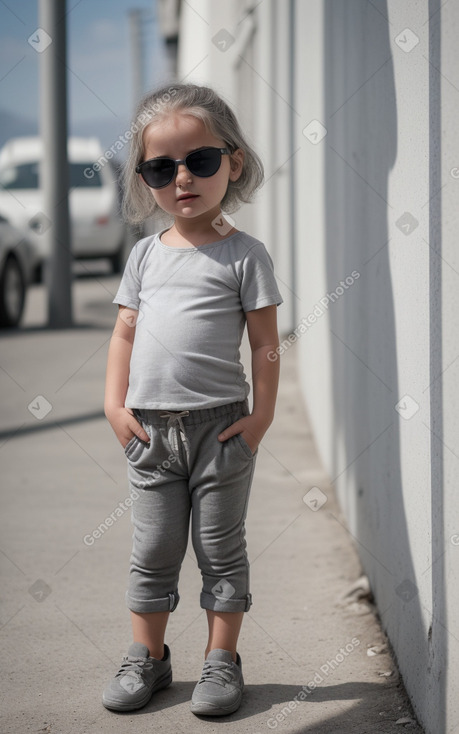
(159, 172)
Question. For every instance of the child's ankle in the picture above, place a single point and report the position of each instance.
(158, 653)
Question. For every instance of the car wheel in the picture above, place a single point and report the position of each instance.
(12, 293)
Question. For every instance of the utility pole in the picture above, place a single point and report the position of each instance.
(136, 23)
(137, 55)
(54, 164)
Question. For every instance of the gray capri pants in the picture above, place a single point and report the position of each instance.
(187, 471)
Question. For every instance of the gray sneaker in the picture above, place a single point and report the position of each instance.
(219, 690)
(137, 679)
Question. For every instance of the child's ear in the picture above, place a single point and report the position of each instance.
(236, 164)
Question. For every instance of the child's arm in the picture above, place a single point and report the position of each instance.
(120, 418)
(263, 338)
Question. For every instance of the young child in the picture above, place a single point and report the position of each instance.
(176, 393)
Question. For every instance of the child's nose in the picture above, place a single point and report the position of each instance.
(183, 174)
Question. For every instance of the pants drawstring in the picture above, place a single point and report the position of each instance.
(175, 419)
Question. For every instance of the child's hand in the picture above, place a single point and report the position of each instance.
(125, 425)
(251, 428)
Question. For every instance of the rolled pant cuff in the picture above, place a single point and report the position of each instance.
(144, 606)
(220, 604)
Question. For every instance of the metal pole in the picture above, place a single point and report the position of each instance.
(138, 90)
(54, 164)
(137, 56)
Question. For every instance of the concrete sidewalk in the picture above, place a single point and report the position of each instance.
(64, 624)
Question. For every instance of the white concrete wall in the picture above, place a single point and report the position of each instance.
(394, 332)
(377, 196)
(376, 169)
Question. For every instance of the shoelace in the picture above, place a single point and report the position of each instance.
(134, 665)
(217, 672)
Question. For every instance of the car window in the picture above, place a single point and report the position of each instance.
(83, 175)
(26, 176)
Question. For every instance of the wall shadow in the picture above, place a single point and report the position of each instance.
(360, 111)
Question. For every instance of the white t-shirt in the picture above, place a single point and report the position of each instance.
(192, 303)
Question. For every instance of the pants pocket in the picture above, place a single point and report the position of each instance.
(245, 446)
(135, 445)
(130, 444)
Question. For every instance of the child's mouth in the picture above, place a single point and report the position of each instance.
(188, 197)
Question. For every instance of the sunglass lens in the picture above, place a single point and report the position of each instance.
(204, 163)
(159, 173)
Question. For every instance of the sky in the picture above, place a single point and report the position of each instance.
(99, 60)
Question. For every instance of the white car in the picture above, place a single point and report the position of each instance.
(94, 202)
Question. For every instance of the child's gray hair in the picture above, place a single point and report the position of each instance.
(205, 104)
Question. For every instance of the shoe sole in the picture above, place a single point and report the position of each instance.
(206, 709)
(117, 706)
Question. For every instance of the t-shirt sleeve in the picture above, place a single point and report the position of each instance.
(258, 282)
(129, 287)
